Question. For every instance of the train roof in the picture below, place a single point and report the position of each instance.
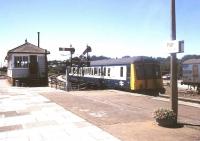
(122, 61)
(192, 61)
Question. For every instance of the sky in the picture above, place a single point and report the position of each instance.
(112, 28)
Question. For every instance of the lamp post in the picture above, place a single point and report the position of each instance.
(173, 64)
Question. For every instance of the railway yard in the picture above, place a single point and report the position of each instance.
(184, 91)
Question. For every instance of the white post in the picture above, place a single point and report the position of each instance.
(67, 79)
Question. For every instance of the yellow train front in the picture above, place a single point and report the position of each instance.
(138, 74)
(145, 76)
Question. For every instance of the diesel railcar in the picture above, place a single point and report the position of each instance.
(138, 74)
(191, 73)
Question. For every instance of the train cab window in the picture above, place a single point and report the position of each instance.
(108, 71)
(139, 71)
(149, 71)
(157, 72)
(104, 71)
(121, 71)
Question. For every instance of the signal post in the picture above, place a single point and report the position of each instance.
(71, 50)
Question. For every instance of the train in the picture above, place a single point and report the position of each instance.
(191, 73)
(137, 74)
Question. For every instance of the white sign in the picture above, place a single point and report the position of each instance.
(175, 46)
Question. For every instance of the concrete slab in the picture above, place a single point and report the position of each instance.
(27, 116)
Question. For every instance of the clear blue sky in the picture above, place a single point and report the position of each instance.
(113, 28)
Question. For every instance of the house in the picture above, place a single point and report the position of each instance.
(27, 65)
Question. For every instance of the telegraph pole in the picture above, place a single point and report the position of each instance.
(173, 64)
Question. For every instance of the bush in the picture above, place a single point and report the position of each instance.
(162, 113)
(165, 117)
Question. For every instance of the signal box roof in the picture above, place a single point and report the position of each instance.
(122, 61)
(28, 48)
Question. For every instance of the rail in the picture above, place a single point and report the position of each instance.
(57, 83)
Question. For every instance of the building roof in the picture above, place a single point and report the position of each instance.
(192, 61)
(28, 48)
(122, 61)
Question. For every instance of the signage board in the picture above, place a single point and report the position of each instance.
(175, 46)
(72, 50)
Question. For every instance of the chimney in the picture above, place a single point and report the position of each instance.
(38, 39)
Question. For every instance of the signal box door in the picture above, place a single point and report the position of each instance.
(33, 66)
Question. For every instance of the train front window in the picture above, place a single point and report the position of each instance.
(157, 71)
(149, 71)
(139, 72)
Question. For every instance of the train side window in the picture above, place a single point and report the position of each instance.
(77, 71)
(128, 71)
(121, 71)
(74, 70)
(69, 70)
(108, 71)
(83, 71)
(104, 71)
(92, 70)
(95, 71)
(99, 71)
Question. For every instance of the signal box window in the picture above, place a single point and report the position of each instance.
(21, 61)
